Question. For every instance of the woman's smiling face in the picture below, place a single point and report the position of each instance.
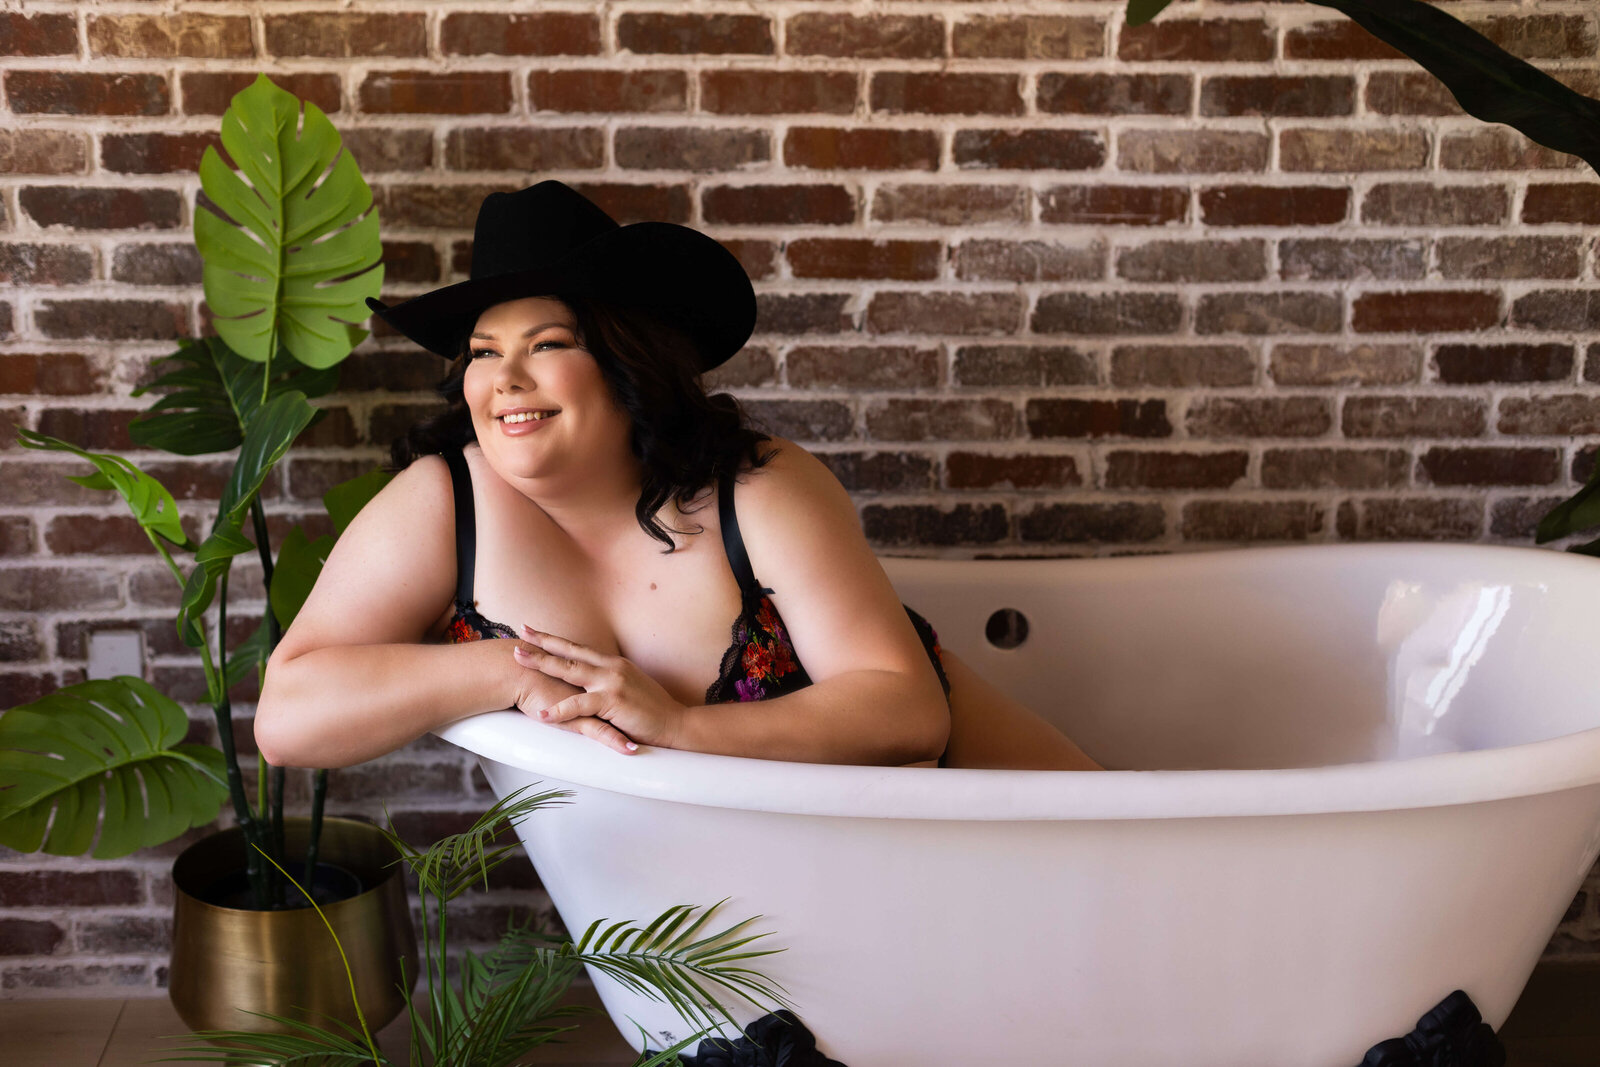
(537, 398)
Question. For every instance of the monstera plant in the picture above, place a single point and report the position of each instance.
(290, 245)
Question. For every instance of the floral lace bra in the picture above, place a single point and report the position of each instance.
(759, 664)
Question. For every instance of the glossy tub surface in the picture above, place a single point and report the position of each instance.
(1368, 775)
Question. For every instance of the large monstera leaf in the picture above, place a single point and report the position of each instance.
(297, 254)
(103, 756)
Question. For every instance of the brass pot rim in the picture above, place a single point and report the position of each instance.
(220, 838)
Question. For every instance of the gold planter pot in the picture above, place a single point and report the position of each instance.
(230, 961)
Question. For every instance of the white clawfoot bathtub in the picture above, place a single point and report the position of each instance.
(1368, 775)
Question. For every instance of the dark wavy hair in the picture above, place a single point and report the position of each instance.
(685, 439)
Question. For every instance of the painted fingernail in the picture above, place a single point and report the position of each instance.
(632, 747)
(544, 713)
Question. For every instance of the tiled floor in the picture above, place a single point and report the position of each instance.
(1555, 1024)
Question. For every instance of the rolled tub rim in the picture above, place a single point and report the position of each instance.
(1545, 766)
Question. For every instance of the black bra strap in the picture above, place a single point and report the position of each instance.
(466, 524)
(733, 543)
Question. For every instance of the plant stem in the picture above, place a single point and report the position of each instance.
(279, 890)
(258, 520)
(319, 791)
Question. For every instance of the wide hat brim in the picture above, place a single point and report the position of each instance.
(673, 272)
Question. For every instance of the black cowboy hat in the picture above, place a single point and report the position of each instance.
(549, 239)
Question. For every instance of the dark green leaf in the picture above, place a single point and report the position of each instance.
(270, 431)
(344, 500)
(1488, 82)
(1142, 11)
(299, 563)
(147, 498)
(249, 656)
(1577, 513)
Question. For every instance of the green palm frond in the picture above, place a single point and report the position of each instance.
(152, 505)
(309, 1044)
(454, 863)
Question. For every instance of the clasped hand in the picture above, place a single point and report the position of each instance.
(621, 706)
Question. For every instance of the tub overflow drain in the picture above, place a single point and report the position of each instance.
(1006, 628)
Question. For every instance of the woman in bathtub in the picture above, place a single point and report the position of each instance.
(586, 536)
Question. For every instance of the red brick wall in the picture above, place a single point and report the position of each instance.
(1031, 282)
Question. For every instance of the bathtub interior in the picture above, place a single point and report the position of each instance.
(1282, 658)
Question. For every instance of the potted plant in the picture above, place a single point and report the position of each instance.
(499, 1006)
(291, 251)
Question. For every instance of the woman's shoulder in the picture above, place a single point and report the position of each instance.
(792, 487)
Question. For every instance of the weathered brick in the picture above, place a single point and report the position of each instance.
(1518, 517)
(1251, 520)
(941, 420)
(953, 313)
(126, 934)
(28, 483)
(1545, 36)
(1558, 309)
(1063, 417)
(880, 472)
(950, 205)
(16, 531)
(1011, 365)
(211, 92)
(24, 687)
(757, 92)
(659, 148)
(156, 264)
(1572, 202)
(154, 153)
(1109, 313)
(1337, 39)
(35, 264)
(941, 93)
(52, 375)
(97, 428)
(1076, 523)
(76, 976)
(74, 535)
(1329, 258)
(1197, 40)
(907, 525)
(1425, 311)
(1510, 257)
(1114, 94)
(1326, 150)
(1028, 149)
(864, 37)
(188, 34)
(1556, 416)
(826, 257)
(1259, 416)
(752, 365)
(835, 148)
(1335, 468)
(1113, 205)
(29, 937)
(19, 643)
(102, 208)
(1299, 95)
(346, 34)
(1182, 366)
(111, 320)
(410, 261)
(863, 367)
(778, 204)
(1336, 364)
(524, 148)
(1420, 204)
(51, 92)
(1498, 148)
(1181, 151)
(38, 35)
(1268, 313)
(431, 206)
(646, 32)
(1591, 364)
(389, 149)
(1491, 466)
(1414, 416)
(1028, 261)
(1420, 519)
(1408, 92)
(803, 420)
(1175, 471)
(758, 258)
(1264, 205)
(1028, 37)
(1194, 261)
(56, 589)
(42, 152)
(1477, 364)
(608, 91)
(414, 92)
(546, 33)
(983, 470)
(801, 313)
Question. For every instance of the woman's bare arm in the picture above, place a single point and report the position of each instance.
(351, 679)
